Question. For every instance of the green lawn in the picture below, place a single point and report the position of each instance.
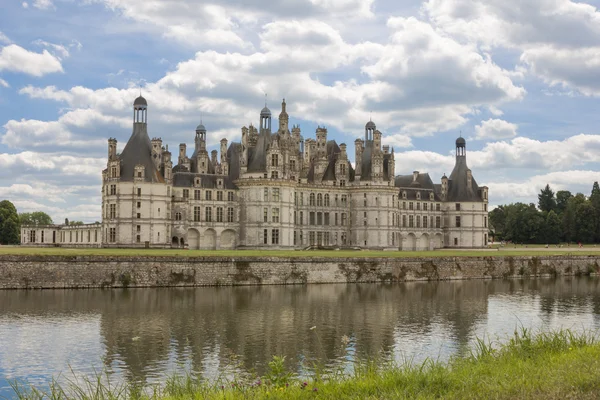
(54, 251)
(559, 365)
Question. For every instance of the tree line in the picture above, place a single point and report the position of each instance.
(560, 217)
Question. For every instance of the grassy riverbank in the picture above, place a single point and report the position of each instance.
(559, 365)
(504, 252)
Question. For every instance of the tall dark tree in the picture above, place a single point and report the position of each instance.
(569, 218)
(35, 218)
(595, 203)
(9, 223)
(552, 229)
(546, 200)
(497, 218)
(562, 199)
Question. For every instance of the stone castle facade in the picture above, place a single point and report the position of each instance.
(274, 190)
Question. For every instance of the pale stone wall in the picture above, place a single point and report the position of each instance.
(86, 235)
(473, 228)
(20, 272)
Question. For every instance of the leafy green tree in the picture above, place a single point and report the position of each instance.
(9, 223)
(76, 223)
(562, 198)
(523, 223)
(497, 218)
(552, 228)
(546, 200)
(569, 218)
(585, 220)
(35, 218)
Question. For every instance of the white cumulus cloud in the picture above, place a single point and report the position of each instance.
(17, 59)
(495, 129)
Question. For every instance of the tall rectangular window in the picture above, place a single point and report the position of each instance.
(139, 192)
(425, 207)
(266, 236)
(265, 214)
(418, 221)
(438, 222)
(219, 195)
(113, 211)
(343, 219)
(230, 214)
(112, 235)
(275, 194)
(425, 222)
(410, 205)
(404, 221)
(458, 222)
(326, 218)
(311, 218)
(219, 214)
(274, 160)
(186, 193)
(266, 194)
(197, 214)
(275, 236)
(197, 194)
(275, 214)
(209, 195)
(319, 218)
(457, 205)
(411, 223)
(301, 219)
(438, 207)
(208, 214)
(229, 196)
(485, 222)
(113, 189)
(311, 238)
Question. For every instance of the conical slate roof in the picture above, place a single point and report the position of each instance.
(138, 150)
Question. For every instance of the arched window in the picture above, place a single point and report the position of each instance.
(320, 200)
(327, 200)
(312, 199)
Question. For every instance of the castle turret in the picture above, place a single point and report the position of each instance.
(283, 118)
(157, 152)
(224, 163)
(358, 151)
(112, 148)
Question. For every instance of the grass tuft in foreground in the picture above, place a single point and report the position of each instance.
(557, 365)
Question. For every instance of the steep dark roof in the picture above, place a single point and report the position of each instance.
(257, 155)
(233, 158)
(423, 184)
(406, 181)
(458, 189)
(365, 165)
(138, 150)
(208, 181)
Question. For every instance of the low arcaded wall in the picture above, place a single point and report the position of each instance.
(32, 272)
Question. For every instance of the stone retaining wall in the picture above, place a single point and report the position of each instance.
(41, 272)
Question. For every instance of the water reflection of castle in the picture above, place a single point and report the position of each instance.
(191, 326)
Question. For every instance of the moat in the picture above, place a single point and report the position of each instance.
(148, 334)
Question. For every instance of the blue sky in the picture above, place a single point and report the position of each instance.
(519, 80)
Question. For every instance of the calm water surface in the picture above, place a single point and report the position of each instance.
(147, 334)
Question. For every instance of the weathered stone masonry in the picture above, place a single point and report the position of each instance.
(41, 272)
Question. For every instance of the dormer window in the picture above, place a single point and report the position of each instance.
(418, 196)
(403, 195)
(431, 196)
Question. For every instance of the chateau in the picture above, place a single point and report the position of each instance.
(274, 189)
